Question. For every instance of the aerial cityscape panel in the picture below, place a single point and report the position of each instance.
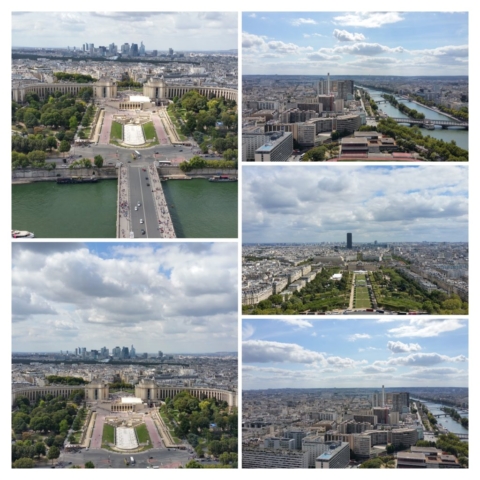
(124, 356)
(355, 240)
(342, 393)
(359, 86)
(107, 107)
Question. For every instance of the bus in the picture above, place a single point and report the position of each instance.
(138, 153)
(164, 162)
(132, 461)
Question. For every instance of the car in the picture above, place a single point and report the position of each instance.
(141, 220)
(143, 170)
(129, 161)
(136, 208)
(156, 153)
(142, 231)
(146, 178)
(139, 204)
(148, 184)
(181, 149)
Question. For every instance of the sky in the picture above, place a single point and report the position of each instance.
(406, 352)
(321, 203)
(191, 31)
(178, 298)
(355, 43)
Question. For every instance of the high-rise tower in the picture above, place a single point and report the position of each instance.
(349, 240)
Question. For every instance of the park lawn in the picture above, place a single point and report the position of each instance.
(362, 298)
(117, 131)
(360, 276)
(142, 434)
(108, 434)
(149, 131)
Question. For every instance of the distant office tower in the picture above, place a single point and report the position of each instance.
(400, 402)
(170, 51)
(349, 240)
(383, 397)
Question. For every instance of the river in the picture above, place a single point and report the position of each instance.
(201, 209)
(447, 422)
(460, 136)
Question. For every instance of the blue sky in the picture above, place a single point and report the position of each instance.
(307, 353)
(355, 43)
(174, 297)
(388, 204)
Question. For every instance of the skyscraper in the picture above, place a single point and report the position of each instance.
(349, 240)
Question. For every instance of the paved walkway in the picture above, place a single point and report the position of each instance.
(88, 435)
(106, 128)
(153, 432)
(352, 294)
(96, 442)
(165, 224)
(123, 208)
(161, 134)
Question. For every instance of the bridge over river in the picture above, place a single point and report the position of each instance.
(142, 210)
(425, 122)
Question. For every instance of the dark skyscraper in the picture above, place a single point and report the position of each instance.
(349, 240)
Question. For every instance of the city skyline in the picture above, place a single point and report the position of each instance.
(305, 353)
(158, 30)
(355, 43)
(170, 297)
(387, 204)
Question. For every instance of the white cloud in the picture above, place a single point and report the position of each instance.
(344, 36)
(425, 359)
(399, 347)
(144, 290)
(358, 336)
(261, 351)
(296, 322)
(368, 20)
(428, 327)
(303, 21)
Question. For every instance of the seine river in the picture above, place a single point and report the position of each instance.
(460, 136)
(447, 422)
(199, 209)
(203, 209)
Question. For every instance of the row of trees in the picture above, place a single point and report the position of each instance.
(409, 138)
(65, 380)
(410, 112)
(199, 162)
(74, 77)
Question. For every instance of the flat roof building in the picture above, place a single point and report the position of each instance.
(337, 456)
(278, 148)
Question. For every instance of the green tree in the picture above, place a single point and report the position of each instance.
(53, 453)
(64, 146)
(316, 154)
(98, 161)
(73, 123)
(89, 465)
(23, 463)
(40, 449)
